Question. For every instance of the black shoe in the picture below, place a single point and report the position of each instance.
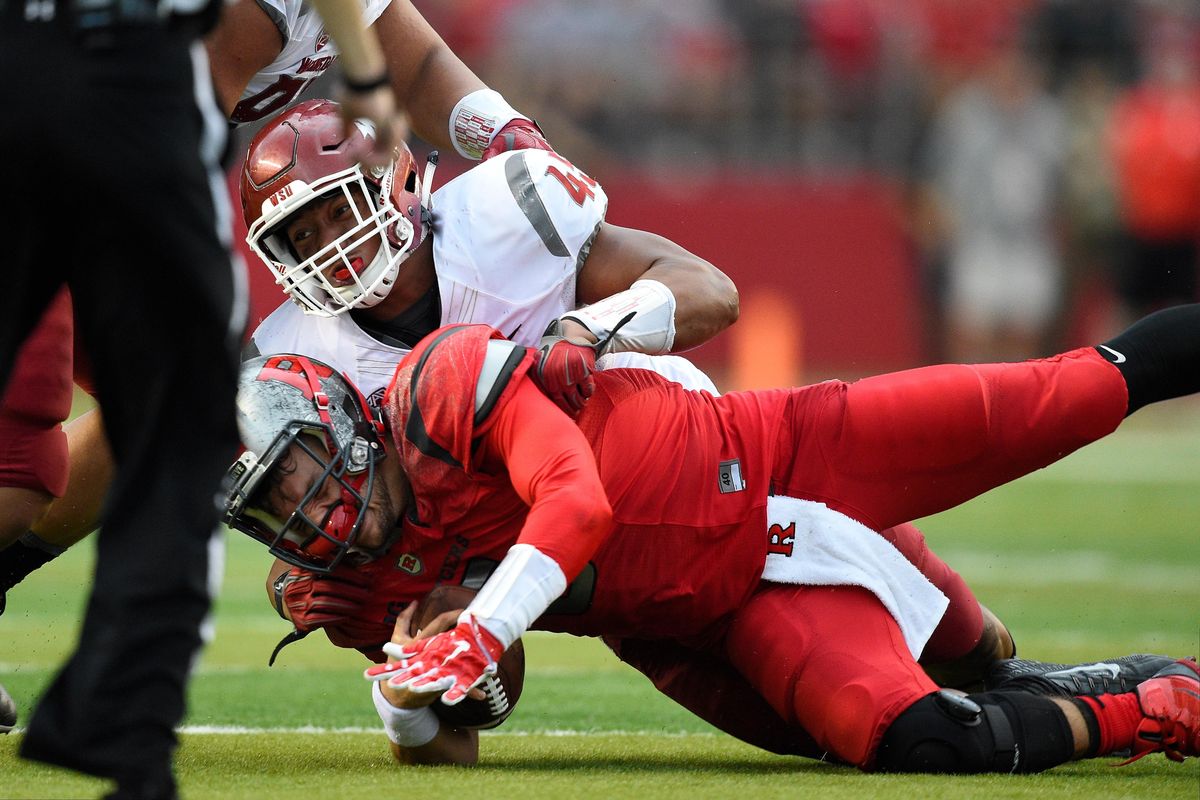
(143, 787)
(1112, 676)
(8, 712)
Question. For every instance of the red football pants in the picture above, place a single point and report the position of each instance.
(33, 446)
(885, 450)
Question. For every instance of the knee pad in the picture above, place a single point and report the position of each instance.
(989, 732)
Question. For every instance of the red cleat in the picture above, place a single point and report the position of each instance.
(1170, 704)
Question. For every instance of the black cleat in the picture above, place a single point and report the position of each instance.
(1111, 676)
(8, 712)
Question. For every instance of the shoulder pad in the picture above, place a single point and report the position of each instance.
(450, 384)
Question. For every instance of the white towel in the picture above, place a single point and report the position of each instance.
(831, 549)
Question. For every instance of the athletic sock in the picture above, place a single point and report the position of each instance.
(24, 556)
(1112, 721)
(1159, 355)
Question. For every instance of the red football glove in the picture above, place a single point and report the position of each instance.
(451, 663)
(519, 134)
(564, 372)
(314, 601)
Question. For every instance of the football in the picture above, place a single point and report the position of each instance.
(501, 690)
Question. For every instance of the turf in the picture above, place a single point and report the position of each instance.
(1094, 557)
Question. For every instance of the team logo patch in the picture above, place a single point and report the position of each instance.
(781, 540)
(410, 564)
(322, 40)
(375, 401)
(729, 476)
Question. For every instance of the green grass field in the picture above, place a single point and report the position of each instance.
(1097, 556)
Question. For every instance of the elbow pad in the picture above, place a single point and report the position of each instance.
(650, 331)
(476, 119)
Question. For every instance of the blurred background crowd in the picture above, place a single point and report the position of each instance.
(991, 179)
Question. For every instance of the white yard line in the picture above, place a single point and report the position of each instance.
(237, 730)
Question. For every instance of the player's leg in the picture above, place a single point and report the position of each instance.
(77, 512)
(969, 638)
(33, 447)
(73, 515)
(851, 446)
(898, 447)
(971, 648)
(709, 687)
(1015, 731)
(831, 659)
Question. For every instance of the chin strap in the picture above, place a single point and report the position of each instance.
(431, 162)
(293, 637)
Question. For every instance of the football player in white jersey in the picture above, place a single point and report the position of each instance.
(265, 52)
(372, 263)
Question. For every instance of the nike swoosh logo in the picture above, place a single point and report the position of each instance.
(1111, 670)
(1118, 358)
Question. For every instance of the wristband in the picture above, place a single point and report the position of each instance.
(476, 119)
(405, 727)
(650, 331)
(363, 87)
(279, 585)
(518, 592)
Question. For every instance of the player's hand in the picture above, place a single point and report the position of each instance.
(566, 361)
(449, 664)
(314, 601)
(519, 134)
(377, 106)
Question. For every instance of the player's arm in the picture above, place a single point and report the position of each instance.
(448, 105)
(415, 734)
(243, 43)
(692, 302)
(644, 294)
(552, 468)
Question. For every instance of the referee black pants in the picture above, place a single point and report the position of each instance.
(111, 164)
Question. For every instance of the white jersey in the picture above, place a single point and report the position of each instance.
(509, 238)
(307, 52)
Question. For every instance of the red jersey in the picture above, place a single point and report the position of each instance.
(667, 569)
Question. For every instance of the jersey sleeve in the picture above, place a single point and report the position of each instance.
(284, 13)
(373, 10)
(552, 468)
(562, 203)
(517, 225)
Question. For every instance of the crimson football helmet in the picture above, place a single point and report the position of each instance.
(290, 407)
(304, 155)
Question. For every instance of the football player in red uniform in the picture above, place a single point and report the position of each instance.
(739, 528)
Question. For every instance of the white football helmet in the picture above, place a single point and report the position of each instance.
(304, 155)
